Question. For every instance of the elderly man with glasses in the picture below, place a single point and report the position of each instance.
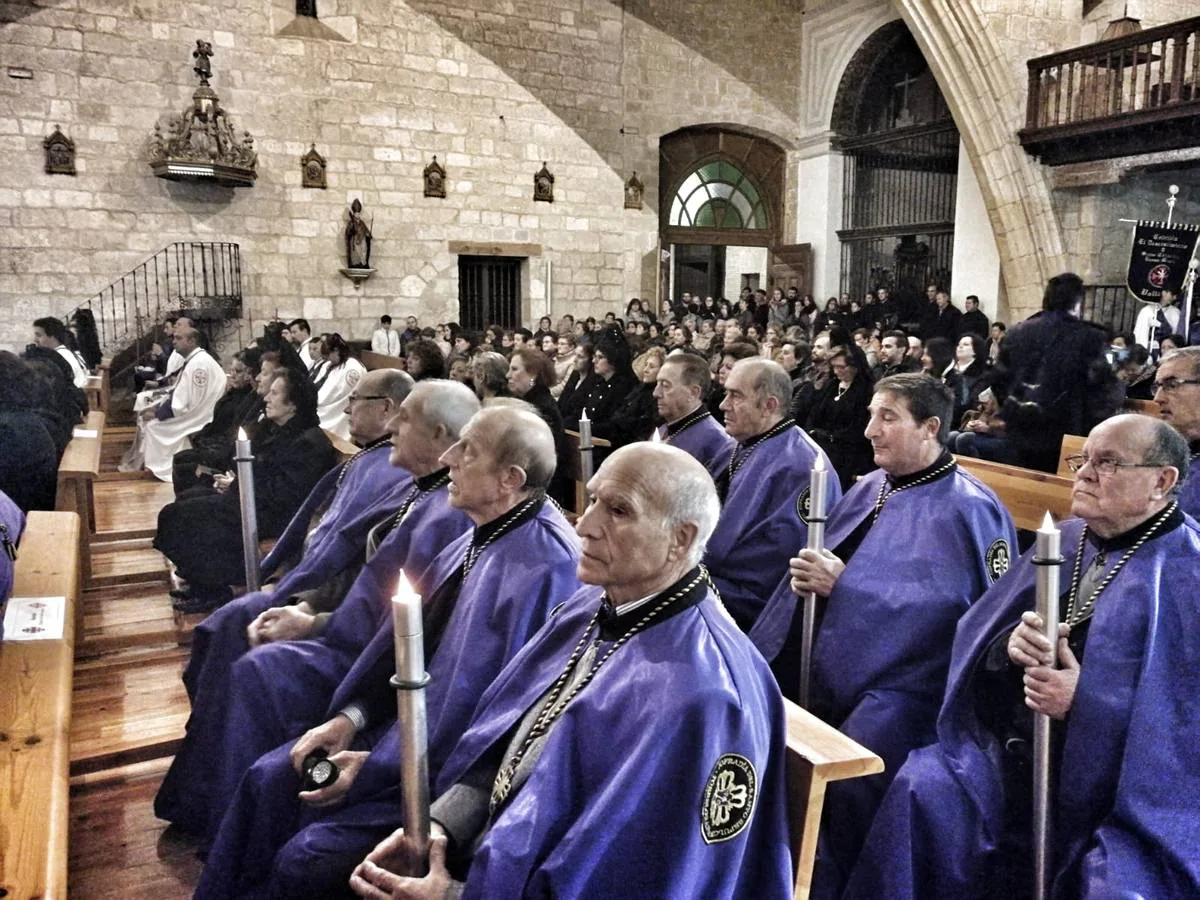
(1121, 685)
(1177, 392)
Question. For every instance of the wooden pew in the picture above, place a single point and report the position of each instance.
(35, 719)
(575, 466)
(77, 473)
(1072, 445)
(817, 754)
(99, 386)
(345, 448)
(373, 361)
(1145, 407)
(1027, 494)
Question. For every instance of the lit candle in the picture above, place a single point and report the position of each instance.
(244, 460)
(409, 683)
(585, 431)
(655, 437)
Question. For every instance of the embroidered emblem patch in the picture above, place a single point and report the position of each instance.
(998, 559)
(352, 378)
(804, 505)
(199, 378)
(729, 799)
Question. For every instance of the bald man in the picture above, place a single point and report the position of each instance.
(1177, 392)
(485, 595)
(764, 486)
(1120, 684)
(660, 771)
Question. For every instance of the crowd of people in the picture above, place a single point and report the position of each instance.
(604, 702)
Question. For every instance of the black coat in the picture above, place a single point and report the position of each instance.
(602, 400)
(837, 424)
(1055, 378)
(28, 459)
(201, 532)
(634, 419)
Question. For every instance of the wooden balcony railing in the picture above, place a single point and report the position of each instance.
(1128, 95)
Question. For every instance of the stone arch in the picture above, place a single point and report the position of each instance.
(989, 108)
(848, 100)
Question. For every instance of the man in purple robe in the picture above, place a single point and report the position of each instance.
(682, 387)
(1120, 685)
(914, 545)
(1177, 392)
(485, 596)
(636, 747)
(764, 489)
(412, 530)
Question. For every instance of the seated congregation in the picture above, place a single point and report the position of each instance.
(607, 694)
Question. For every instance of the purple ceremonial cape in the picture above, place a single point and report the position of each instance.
(883, 649)
(369, 492)
(233, 688)
(1189, 492)
(761, 527)
(629, 795)
(706, 441)
(13, 521)
(502, 602)
(1126, 801)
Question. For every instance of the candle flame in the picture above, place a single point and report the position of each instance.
(404, 590)
(241, 434)
(1047, 523)
(655, 437)
(583, 417)
(819, 463)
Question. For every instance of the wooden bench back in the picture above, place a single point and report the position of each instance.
(35, 717)
(1072, 445)
(345, 448)
(1027, 494)
(372, 361)
(1145, 407)
(77, 473)
(817, 754)
(575, 465)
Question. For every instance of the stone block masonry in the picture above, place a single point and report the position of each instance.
(492, 93)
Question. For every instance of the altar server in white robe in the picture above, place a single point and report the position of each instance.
(335, 383)
(151, 397)
(165, 427)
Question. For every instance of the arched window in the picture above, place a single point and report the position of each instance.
(718, 194)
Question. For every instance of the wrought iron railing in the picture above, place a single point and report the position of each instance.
(203, 279)
(1110, 305)
(1139, 76)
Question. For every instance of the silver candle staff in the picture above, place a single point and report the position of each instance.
(409, 681)
(1048, 558)
(818, 499)
(245, 480)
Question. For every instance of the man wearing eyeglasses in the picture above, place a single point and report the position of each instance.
(1121, 685)
(1177, 393)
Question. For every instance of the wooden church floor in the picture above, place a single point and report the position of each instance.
(129, 706)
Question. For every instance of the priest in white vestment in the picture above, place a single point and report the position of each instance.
(199, 384)
(335, 383)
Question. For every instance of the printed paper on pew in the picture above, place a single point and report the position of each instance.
(35, 618)
(85, 433)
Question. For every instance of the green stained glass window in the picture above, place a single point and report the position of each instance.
(718, 195)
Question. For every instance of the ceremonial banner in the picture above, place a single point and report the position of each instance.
(1159, 258)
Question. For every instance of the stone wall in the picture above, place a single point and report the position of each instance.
(589, 86)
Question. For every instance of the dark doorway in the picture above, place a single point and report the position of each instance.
(699, 270)
(489, 292)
